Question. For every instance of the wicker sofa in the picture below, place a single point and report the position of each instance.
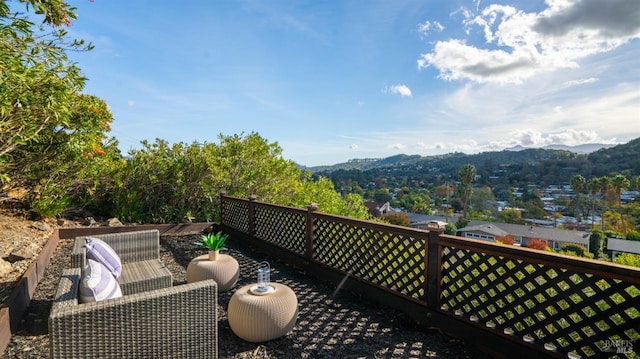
(139, 251)
(175, 322)
(153, 319)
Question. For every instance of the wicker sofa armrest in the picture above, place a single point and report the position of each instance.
(130, 246)
(176, 322)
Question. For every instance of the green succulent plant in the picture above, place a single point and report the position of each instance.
(213, 241)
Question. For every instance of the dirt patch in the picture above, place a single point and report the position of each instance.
(21, 240)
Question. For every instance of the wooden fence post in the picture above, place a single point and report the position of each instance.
(223, 193)
(433, 266)
(308, 234)
(252, 199)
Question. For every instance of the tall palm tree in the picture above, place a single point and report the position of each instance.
(620, 183)
(467, 175)
(577, 183)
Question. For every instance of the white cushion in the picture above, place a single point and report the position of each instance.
(101, 252)
(97, 283)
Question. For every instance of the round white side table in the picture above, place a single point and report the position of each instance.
(225, 271)
(261, 317)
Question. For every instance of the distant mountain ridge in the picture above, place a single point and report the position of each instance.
(585, 152)
(579, 149)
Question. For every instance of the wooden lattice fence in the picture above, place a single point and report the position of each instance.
(556, 305)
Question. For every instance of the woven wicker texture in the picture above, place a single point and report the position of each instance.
(258, 318)
(131, 246)
(139, 252)
(176, 322)
(225, 271)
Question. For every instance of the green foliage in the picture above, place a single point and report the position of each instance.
(461, 223)
(575, 249)
(400, 219)
(628, 259)
(612, 234)
(164, 183)
(213, 241)
(511, 215)
(182, 182)
(49, 132)
(483, 200)
(596, 241)
(467, 175)
(451, 229)
(633, 236)
(416, 201)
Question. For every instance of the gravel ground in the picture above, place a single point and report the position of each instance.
(328, 326)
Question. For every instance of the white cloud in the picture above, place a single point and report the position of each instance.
(398, 146)
(131, 103)
(533, 138)
(401, 90)
(580, 82)
(354, 147)
(520, 44)
(427, 26)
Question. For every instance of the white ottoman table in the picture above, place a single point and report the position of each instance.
(225, 270)
(261, 317)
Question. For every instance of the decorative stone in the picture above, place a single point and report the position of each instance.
(41, 226)
(89, 221)
(28, 251)
(5, 268)
(114, 222)
(225, 271)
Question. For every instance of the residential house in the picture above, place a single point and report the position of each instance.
(618, 246)
(555, 238)
(378, 209)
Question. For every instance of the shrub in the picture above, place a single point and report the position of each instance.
(578, 249)
(451, 229)
(164, 183)
(595, 241)
(508, 239)
(628, 259)
(462, 223)
(633, 236)
(612, 234)
(536, 243)
(400, 219)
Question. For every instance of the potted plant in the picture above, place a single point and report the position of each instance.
(215, 243)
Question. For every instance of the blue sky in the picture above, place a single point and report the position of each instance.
(334, 80)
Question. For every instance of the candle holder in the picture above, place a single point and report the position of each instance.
(264, 280)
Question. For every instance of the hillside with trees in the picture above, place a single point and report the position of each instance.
(585, 185)
(499, 168)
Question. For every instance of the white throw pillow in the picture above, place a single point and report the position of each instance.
(101, 252)
(97, 283)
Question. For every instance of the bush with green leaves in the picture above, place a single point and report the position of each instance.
(628, 259)
(163, 183)
(451, 229)
(51, 135)
(596, 241)
(399, 219)
(633, 236)
(575, 249)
